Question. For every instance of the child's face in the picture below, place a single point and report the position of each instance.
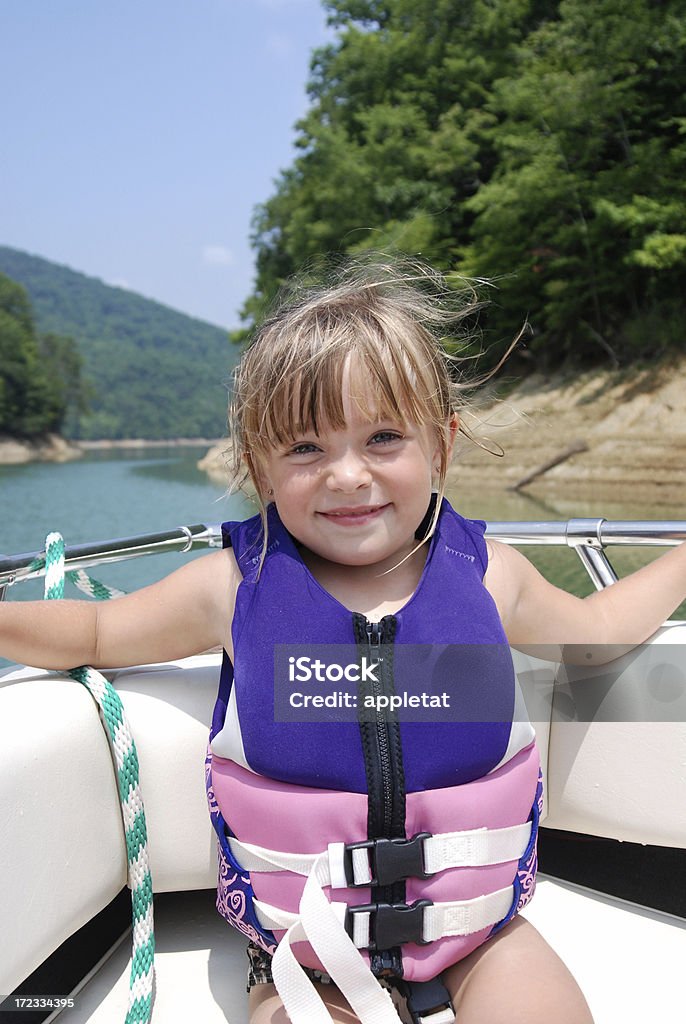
(356, 495)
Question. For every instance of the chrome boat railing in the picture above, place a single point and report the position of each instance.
(18, 568)
(588, 537)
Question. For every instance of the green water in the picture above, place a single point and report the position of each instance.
(107, 495)
(559, 564)
(122, 493)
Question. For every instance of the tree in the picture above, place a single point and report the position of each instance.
(539, 143)
(64, 365)
(584, 217)
(397, 137)
(38, 376)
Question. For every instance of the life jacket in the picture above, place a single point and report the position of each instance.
(404, 837)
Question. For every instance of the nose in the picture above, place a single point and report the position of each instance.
(348, 473)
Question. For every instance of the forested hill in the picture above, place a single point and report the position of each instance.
(155, 373)
(539, 143)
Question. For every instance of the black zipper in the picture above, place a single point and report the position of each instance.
(374, 632)
(382, 751)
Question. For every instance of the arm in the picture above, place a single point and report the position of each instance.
(187, 612)
(603, 625)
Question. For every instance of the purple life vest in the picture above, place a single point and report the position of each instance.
(429, 818)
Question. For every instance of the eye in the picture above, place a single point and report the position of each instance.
(386, 437)
(303, 448)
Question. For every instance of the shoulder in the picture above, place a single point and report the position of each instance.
(533, 610)
(506, 574)
(211, 583)
(216, 576)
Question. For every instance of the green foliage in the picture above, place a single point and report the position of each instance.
(33, 401)
(151, 372)
(64, 364)
(391, 145)
(586, 201)
(539, 143)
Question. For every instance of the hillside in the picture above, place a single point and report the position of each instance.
(157, 373)
(632, 423)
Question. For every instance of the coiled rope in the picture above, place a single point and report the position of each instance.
(128, 781)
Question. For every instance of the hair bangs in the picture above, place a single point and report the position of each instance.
(304, 398)
(405, 387)
(388, 378)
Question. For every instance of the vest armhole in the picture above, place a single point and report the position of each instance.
(234, 535)
(476, 529)
(226, 529)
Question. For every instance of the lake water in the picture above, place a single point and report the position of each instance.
(109, 494)
(120, 493)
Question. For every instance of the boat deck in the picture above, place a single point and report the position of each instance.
(629, 960)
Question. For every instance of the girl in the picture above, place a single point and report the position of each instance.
(346, 410)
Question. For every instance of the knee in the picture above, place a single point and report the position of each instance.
(536, 1005)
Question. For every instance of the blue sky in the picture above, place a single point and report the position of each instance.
(137, 137)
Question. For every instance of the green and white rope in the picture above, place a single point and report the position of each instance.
(94, 588)
(128, 781)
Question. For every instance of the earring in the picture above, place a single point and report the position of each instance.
(270, 492)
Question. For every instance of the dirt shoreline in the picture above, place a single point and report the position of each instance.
(141, 442)
(53, 448)
(632, 423)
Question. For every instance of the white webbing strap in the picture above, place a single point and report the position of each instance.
(464, 917)
(360, 862)
(320, 924)
(259, 858)
(361, 929)
(470, 848)
(447, 920)
(476, 847)
(299, 996)
(440, 921)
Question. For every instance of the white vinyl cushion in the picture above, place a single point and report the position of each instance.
(61, 836)
(61, 841)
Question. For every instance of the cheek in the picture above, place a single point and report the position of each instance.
(429, 463)
(297, 486)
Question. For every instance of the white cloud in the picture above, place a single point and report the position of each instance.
(120, 282)
(217, 256)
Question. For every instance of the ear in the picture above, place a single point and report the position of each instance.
(452, 427)
(259, 480)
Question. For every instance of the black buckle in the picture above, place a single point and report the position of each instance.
(391, 860)
(424, 998)
(391, 924)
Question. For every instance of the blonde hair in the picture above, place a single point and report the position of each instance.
(389, 321)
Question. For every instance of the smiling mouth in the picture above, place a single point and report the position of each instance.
(354, 514)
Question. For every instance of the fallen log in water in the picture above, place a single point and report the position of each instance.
(572, 449)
